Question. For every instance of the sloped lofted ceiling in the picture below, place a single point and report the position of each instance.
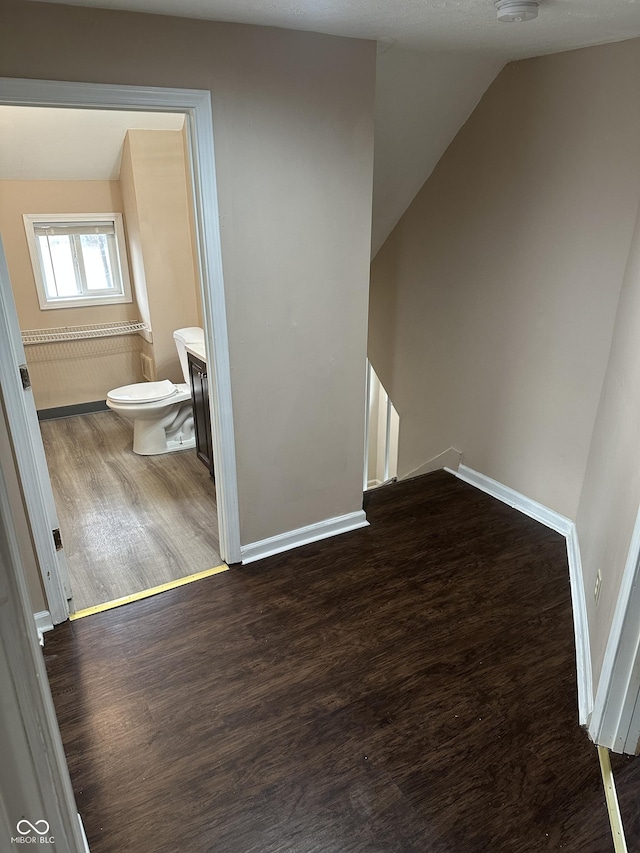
(79, 145)
(422, 100)
(436, 59)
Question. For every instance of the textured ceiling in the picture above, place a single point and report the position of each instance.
(462, 25)
(444, 55)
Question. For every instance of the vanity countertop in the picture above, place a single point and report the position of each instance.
(198, 350)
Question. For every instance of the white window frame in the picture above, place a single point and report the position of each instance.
(87, 299)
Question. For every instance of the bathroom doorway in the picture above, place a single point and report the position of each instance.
(87, 445)
(129, 523)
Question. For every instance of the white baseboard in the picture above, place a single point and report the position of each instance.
(561, 524)
(303, 536)
(84, 835)
(541, 513)
(581, 628)
(44, 623)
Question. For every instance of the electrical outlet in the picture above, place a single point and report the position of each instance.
(596, 591)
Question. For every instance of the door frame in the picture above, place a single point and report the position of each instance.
(33, 767)
(31, 463)
(196, 105)
(615, 721)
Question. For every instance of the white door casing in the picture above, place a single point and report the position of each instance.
(615, 722)
(21, 413)
(29, 452)
(34, 778)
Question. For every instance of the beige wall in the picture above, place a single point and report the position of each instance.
(505, 307)
(133, 235)
(156, 201)
(97, 365)
(70, 373)
(422, 100)
(18, 197)
(611, 492)
(293, 118)
(493, 301)
(154, 194)
(195, 260)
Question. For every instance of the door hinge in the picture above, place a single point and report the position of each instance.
(24, 375)
(57, 539)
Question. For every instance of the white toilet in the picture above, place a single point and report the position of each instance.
(161, 412)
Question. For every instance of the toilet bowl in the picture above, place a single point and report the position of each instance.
(162, 412)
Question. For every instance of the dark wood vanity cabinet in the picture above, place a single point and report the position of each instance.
(201, 410)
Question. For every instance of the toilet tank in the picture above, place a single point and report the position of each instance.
(182, 337)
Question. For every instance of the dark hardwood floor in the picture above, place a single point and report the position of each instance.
(406, 687)
(128, 522)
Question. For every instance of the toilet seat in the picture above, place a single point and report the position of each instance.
(143, 392)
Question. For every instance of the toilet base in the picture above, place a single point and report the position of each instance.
(170, 434)
(170, 446)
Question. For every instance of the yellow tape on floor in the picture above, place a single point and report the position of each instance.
(615, 818)
(147, 593)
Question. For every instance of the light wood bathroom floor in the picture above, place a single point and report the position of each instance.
(128, 522)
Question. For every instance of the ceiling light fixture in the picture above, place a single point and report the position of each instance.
(515, 11)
